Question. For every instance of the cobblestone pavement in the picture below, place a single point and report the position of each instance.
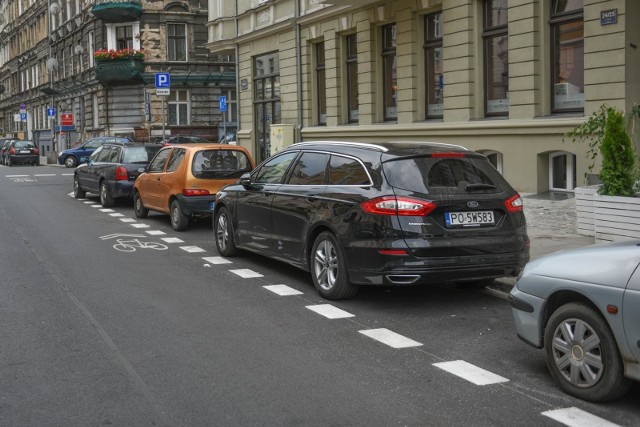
(550, 214)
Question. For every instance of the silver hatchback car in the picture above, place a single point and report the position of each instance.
(583, 307)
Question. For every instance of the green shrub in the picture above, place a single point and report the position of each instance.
(617, 173)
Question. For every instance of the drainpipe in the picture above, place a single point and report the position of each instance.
(298, 137)
(237, 63)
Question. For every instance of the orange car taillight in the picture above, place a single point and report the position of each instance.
(393, 205)
(514, 203)
(122, 174)
(189, 192)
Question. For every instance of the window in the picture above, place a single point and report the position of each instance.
(496, 58)
(273, 171)
(389, 74)
(176, 42)
(124, 37)
(562, 171)
(94, 143)
(310, 169)
(266, 92)
(176, 158)
(567, 30)
(347, 171)
(157, 164)
(352, 78)
(178, 107)
(321, 84)
(97, 154)
(434, 76)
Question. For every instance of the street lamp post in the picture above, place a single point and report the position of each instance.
(52, 65)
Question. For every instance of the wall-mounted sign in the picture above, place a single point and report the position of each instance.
(608, 17)
(66, 119)
(244, 84)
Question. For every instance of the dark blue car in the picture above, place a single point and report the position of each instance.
(73, 157)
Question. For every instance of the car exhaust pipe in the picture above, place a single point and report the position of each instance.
(402, 279)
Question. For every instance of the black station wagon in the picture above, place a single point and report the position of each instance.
(395, 213)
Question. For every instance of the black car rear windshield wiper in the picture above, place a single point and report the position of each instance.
(480, 186)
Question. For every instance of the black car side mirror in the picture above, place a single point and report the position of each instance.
(245, 179)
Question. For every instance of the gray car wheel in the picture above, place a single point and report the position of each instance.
(582, 354)
(105, 196)
(78, 192)
(223, 233)
(329, 269)
(138, 207)
(70, 162)
(179, 221)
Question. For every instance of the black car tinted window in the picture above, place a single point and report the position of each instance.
(347, 171)
(157, 164)
(273, 171)
(310, 169)
(220, 164)
(176, 159)
(139, 154)
(114, 155)
(99, 155)
(24, 144)
(443, 175)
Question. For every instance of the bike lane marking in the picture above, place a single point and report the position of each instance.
(217, 260)
(116, 215)
(390, 338)
(127, 220)
(192, 249)
(106, 210)
(139, 225)
(574, 417)
(282, 290)
(155, 232)
(171, 240)
(471, 373)
(245, 273)
(329, 311)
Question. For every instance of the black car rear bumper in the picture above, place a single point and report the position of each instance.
(121, 189)
(24, 158)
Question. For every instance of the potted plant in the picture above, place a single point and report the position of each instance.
(119, 67)
(610, 211)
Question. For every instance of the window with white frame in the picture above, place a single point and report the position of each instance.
(178, 107)
(496, 57)
(321, 84)
(389, 72)
(434, 70)
(352, 77)
(121, 36)
(176, 42)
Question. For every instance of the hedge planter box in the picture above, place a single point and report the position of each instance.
(607, 218)
(120, 71)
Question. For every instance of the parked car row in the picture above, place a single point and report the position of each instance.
(394, 214)
(17, 151)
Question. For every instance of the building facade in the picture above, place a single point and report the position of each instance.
(50, 58)
(504, 77)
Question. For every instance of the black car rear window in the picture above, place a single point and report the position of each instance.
(220, 164)
(24, 144)
(444, 175)
(139, 154)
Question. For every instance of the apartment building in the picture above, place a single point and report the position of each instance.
(504, 77)
(55, 90)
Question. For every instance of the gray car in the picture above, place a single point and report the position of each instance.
(583, 307)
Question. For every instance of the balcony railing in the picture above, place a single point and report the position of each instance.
(120, 71)
(117, 10)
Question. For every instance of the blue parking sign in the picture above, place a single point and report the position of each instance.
(163, 80)
(23, 117)
(223, 103)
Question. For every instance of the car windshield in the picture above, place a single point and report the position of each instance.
(24, 144)
(430, 175)
(220, 164)
(139, 154)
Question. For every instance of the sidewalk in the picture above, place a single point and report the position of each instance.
(551, 224)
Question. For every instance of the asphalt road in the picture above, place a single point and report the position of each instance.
(93, 332)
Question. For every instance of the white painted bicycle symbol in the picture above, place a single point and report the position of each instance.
(132, 242)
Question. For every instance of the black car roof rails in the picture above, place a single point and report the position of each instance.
(344, 143)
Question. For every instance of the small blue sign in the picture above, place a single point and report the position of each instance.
(23, 117)
(608, 17)
(65, 128)
(163, 80)
(223, 103)
(51, 112)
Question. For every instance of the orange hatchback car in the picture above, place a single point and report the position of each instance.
(182, 180)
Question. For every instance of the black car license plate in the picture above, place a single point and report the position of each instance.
(469, 219)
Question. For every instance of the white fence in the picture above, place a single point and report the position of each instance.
(607, 218)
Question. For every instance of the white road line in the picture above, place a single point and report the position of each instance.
(172, 240)
(96, 206)
(574, 417)
(116, 215)
(192, 249)
(470, 372)
(127, 220)
(282, 290)
(329, 311)
(70, 194)
(107, 210)
(15, 176)
(66, 174)
(88, 202)
(155, 232)
(217, 260)
(44, 174)
(390, 338)
(245, 273)
(80, 200)
(139, 225)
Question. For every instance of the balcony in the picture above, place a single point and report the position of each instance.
(120, 71)
(117, 10)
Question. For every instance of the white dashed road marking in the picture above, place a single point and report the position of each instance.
(192, 249)
(470, 372)
(71, 195)
(329, 311)
(217, 260)
(127, 220)
(282, 290)
(574, 417)
(140, 225)
(156, 232)
(44, 174)
(15, 176)
(245, 273)
(96, 206)
(88, 202)
(116, 215)
(172, 240)
(66, 174)
(390, 338)
(106, 210)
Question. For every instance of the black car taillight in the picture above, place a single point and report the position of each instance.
(393, 205)
(12, 151)
(513, 203)
(36, 151)
(122, 174)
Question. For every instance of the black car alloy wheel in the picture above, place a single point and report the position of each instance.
(224, 233)
(329, 270)
(78, 192)
(105, 196)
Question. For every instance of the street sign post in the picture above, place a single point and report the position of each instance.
(51, 112)
(223, 109)
(163, 85)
